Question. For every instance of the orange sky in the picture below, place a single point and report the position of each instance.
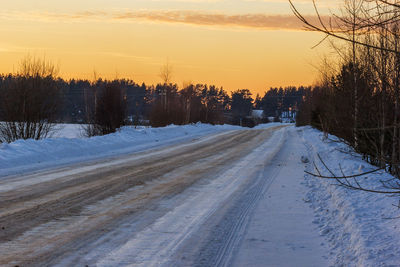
(252, 44)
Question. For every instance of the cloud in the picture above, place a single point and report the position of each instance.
(190, 1)
(258, 21)
(254, 21)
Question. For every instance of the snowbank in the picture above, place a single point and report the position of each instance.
(359, 226)
(25, 155)
(68, 146)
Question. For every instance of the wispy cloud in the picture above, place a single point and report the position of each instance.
(259, 21)
(255, 21)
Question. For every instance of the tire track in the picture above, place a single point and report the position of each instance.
(161, 242)
(228, 224)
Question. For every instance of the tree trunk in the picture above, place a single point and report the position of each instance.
(396, 107)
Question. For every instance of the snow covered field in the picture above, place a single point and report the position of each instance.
(194, 195)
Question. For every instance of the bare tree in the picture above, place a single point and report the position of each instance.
(31, 66)
(30, 101)
(352, 181)
(371, 30)
(369, 17)
(166, 72)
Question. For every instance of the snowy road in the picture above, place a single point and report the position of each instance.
(219, 200)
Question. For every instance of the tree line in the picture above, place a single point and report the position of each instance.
(35, 99)
(279, 100)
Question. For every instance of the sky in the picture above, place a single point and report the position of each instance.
(237, 44)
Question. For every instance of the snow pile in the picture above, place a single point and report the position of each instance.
(25, 155)
(68, 146)
(361, 228)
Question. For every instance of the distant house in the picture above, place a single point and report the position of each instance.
(289, 116)
(257, 114)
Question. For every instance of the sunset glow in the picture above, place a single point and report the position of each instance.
(252, 44)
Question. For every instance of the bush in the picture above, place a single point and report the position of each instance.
(29, 101)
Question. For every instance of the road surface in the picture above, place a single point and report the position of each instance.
(233, 198)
